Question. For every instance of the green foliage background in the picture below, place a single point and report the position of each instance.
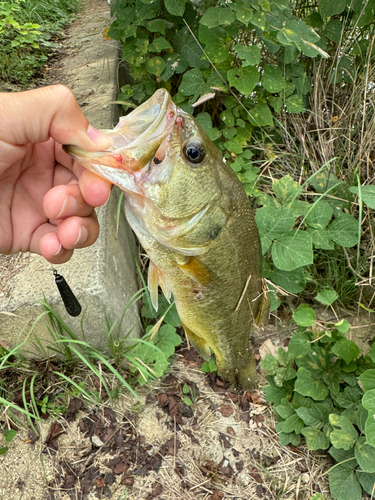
(274, 76)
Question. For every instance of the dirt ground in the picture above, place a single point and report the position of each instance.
(222, 446)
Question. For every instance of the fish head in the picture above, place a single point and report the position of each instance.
(168, 168)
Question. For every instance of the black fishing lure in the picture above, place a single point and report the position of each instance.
(72, 306)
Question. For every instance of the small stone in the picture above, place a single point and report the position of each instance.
(305, 478)
(96, 441)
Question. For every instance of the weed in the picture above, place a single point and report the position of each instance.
(323, 390)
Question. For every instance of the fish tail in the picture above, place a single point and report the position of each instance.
(244, 377)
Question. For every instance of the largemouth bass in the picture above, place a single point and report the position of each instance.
(194, 220)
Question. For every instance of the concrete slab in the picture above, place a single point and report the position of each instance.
(103, 276)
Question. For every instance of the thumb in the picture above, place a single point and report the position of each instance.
(36, 115)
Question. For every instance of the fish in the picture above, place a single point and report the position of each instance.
(193, 218)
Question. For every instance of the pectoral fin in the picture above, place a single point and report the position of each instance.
(197, 271)
(198, 343)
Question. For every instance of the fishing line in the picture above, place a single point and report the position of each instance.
(71, 303)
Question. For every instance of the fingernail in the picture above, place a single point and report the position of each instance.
(69, 207)
(58, 251)
(98, 138)
(82, 236)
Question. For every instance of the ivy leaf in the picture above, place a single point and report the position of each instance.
(344, 231)
(272, 79)
(315, 439)
(251, 54)
(175, 7)
(304, 316)
(243, 79)
(159, 44)
(343, 484)
(315, 417)
(292, 281)
(259, 20)
(291, 252)
(346, 350)
(286, 189)
(326, 297)
(344, 434)
(367, 381)
(367, 481)
(310, 384)
(293, 424)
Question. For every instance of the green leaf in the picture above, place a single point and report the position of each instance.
(284, 410)
(310, 384)
(321, 239)
(292, 281)
(346, 350)
(273, 222)
(193, 83)
(343, 326)
(272, 79)
(299, 345)
(365, 455)
(345, 456)
(367, 381)
(304, 315)
(294, 104)
(216, 16)
(344, 230)
(260, 115)
(290, 34)
(315, 439)
(269, 364)
(259, 20)
(343, 484)
(328, 8)
(175, 7)
(368, 402)
(344, 434)
(159, 44)
(350, 397)
(367, 194)
(367, 481)
(3, 450)
(319, 215)
(293, 424)
(326, 297)
(360, 418)
(286, 189)
(315, 417)
(251, 54)
(10, 435)
(155, 65)
(243, 79)
(290, 438)
(333, 30)
(291, 252)
(276, 103)
(275, 394)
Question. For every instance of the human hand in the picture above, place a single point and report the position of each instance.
(47, 199)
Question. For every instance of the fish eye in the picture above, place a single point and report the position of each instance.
(194, 152)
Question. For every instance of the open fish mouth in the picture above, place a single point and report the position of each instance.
(136, 137)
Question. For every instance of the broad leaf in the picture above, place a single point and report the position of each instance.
(286, 189)
(326, 297)
(250, 54)
(244, 80)
(175, 7)
(344, 230)
(315, 439)
(319, 215)
(365, 455)
(291, 252)
(310, 384)
(273, 222)
(346, 350)
(304, 315)
(344, 485)
(367, 194)
(272, 79)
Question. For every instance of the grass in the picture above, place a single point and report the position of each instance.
(29, 31)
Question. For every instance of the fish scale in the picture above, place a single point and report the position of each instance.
(193, 218)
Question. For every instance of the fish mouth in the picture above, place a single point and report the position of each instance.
(136, 139)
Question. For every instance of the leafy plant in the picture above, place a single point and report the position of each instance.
(26, 30)
(324, 391)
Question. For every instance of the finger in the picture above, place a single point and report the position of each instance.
(95, 190)
(61, 202)
(46, 242)
(78, 232)
(35, 115)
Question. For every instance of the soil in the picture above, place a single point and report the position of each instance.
(221, 445)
